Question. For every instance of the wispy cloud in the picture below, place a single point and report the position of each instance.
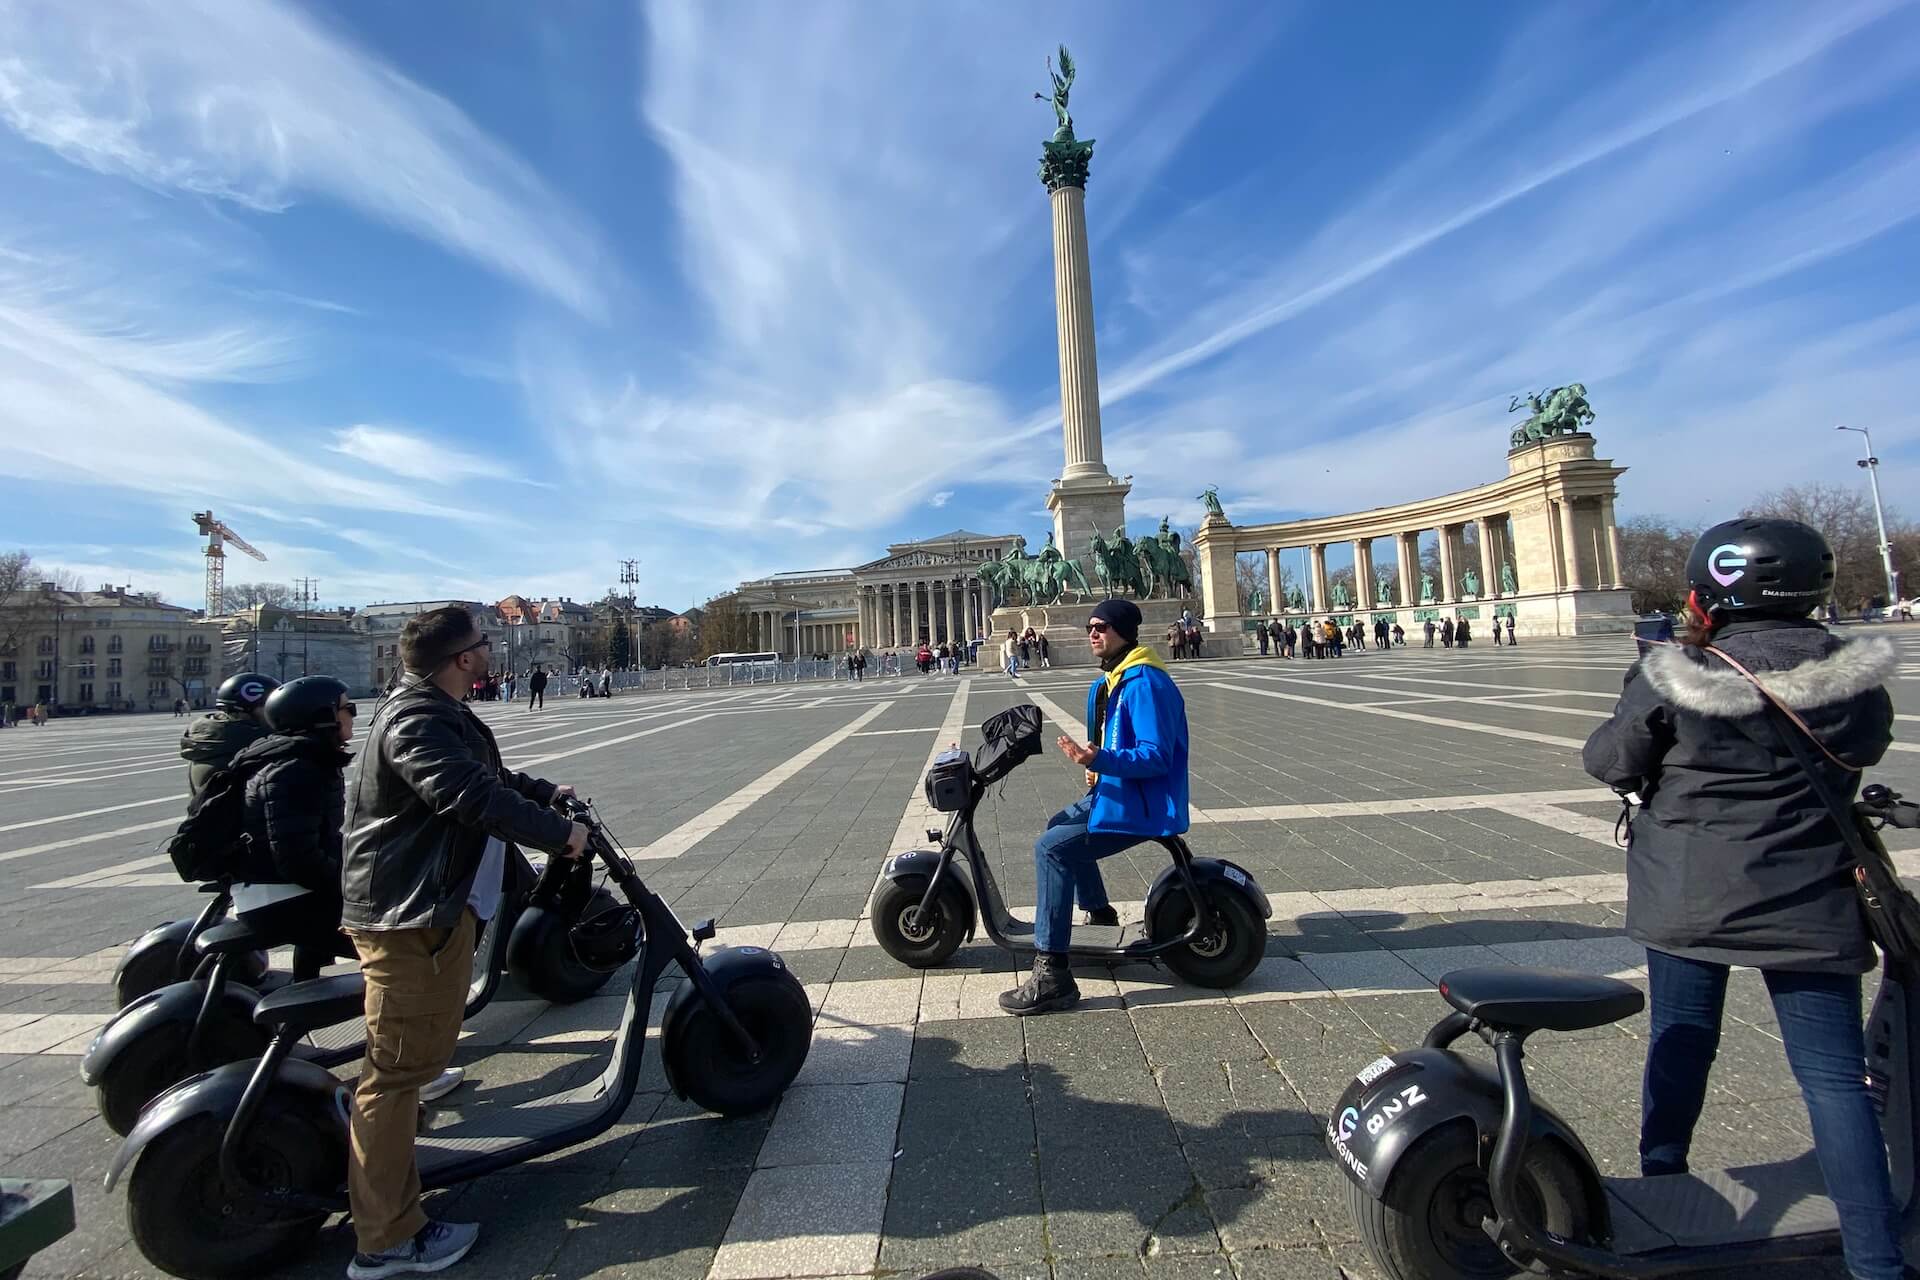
(940, 499)
(419, 458)
(260, 104)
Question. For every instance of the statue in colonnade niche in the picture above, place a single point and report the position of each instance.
(1297, 600)
(1340, 598)
(1470, 584)
(1426, 588)
(1507, 585)
(1384, 596)
(1256, 601)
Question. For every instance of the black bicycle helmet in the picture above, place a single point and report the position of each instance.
(1759, 567)
(245, 692)
(304, 704)
(608, 940)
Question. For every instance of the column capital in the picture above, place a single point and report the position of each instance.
(1064, 163)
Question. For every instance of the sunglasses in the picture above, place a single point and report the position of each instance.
(349, 708)
(1096, 628)
(484, 642)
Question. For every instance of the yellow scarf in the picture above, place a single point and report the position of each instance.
(1141, 656)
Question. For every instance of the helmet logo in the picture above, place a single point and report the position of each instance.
(253, 691)
(1725, 557)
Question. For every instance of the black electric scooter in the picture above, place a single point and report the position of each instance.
(235, 1171)
(207, 1020)
(1454, 1171)
(165, 954)
(928, 899)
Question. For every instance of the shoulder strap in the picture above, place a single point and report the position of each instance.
(1783, 709)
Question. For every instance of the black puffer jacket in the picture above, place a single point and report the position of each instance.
(212, 741)
(1733, 857)
(295, 803)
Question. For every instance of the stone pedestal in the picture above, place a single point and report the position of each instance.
(1081, 506)
(1213, 547)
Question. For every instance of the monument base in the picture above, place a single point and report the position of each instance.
(1065, 627)
(1082, 505)
(1586, 612)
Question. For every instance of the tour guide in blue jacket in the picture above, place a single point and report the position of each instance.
(1136, 790)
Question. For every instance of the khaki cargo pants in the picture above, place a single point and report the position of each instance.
(416, 995)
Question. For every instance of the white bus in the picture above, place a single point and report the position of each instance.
(743, 659)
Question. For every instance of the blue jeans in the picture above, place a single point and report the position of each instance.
(1066, 863)
(1819, 1016)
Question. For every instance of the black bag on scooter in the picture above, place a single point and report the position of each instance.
(204, 846)
(1012, 738)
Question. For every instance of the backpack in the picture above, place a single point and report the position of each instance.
(205, 845)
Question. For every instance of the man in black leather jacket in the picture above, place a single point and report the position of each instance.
(424, 861)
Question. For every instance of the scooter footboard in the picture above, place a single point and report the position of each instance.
(1395, 1101)
(217, 1094)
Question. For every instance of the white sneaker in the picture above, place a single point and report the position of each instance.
(443, 1084)
(438, 1246)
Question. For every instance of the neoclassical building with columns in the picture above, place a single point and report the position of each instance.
(1547, 555)
(928, 589)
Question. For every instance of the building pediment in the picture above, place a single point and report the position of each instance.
(921, 561)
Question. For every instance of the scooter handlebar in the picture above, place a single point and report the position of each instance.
(1881, 802)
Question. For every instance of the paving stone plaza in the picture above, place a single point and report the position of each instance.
(1408, 812)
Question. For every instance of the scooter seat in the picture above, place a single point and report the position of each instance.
(231, 938)
(1520, 999)
(308, 1006)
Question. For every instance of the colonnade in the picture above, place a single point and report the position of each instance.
(1493, 558)
(888, 615)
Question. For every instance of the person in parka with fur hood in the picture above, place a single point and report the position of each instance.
(1733, 858)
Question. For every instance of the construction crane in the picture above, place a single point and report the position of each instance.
(219, 537)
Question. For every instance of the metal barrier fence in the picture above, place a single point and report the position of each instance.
(737, 675)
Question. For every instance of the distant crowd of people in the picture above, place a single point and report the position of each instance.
(1328, 639)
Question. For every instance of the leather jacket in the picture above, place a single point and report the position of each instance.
(430, 791)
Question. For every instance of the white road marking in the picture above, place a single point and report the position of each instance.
(113, 877)
(1521, 735)
(877, 733)
(10, 788)
(92, 813)
(612, 742)
(74, 841)
(697, 828)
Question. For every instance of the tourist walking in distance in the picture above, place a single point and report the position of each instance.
(1399, 635)
(1010, 654)
(1510, 640)
(1446, 633)
(1462, 634)
(1430, 630)
(536, 688)
(1260, 636)
(1046, 651)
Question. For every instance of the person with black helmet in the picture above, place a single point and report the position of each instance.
(1735, 858)
(237, 720)
(287, 872)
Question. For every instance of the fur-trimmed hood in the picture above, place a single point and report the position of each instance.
(1692, 681)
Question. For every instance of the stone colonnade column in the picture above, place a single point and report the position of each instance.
(1276, 603)
(1448, 588)
(1612, 574)
(1575, 579)
(1363, 573)
(899, 616)
(1406, 558)
(953, 611)
(1317, 557)
(1489, 585)
(1073, 305)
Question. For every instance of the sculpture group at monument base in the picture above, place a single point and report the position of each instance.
(1065, 627)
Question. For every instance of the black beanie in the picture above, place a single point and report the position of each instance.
(1122, 615)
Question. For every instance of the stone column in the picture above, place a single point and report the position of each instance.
(953, 612)
(1449, 589)
(1406, 558)
(1317, 588)
(1611, 576)
(1489, 585)
(1363, 574)
(1073, 313)
(899, 616)
(914, 615)
(1275, 602)
(1576, 578)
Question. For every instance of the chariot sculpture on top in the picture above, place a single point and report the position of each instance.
(1561, 411)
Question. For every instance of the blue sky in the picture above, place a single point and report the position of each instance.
(462, 299)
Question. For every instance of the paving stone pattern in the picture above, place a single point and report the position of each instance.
(1407, 812)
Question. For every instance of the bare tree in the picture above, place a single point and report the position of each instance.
(1249, 576)
(245, 595)
(1653, 562)
(26, 602)
(1845, 516)
(725, 627)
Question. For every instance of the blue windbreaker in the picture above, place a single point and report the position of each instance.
(1142, 760)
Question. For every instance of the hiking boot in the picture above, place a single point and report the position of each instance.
(1103, 915)
(1050, 989)
(437, 1246)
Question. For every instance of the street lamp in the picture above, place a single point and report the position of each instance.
(1872, 465)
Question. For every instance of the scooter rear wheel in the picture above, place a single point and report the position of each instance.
(920, 939)
(153, 1064)
(188, 1223)
(1226, 953)
(710, 1063)
(143, 974)
(1427, 1225)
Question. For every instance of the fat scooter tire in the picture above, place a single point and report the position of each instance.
(184, 1223)
(1419, 1229)
(552, 971)
(143, 975)
(921, 943)
(156, 1062)
(717, 1076)
(1225, 957)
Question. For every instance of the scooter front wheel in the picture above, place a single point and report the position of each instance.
(1428, 1224)
(148, 1067)
(144, 973)
(915, 937)
(188, 1222)
(708, 1060)
(1227, 950)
